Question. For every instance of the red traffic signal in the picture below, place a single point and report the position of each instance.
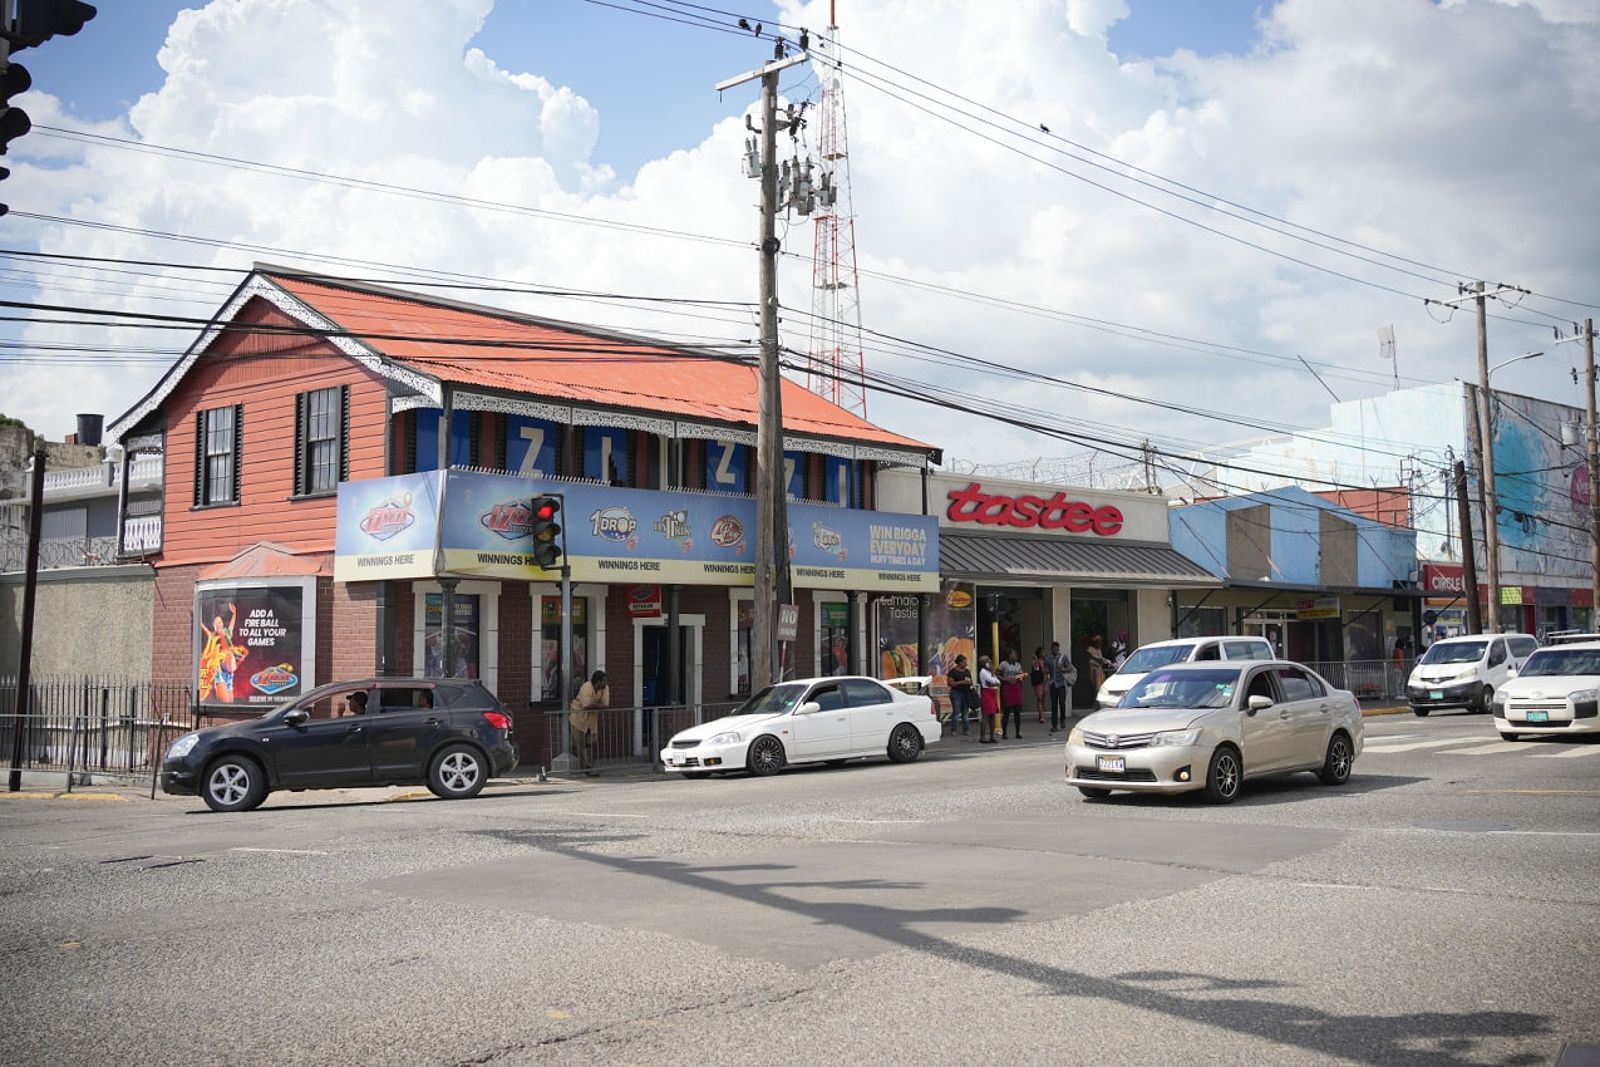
(546, 531)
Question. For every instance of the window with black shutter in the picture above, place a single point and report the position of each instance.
(321, 430)
(219, 442)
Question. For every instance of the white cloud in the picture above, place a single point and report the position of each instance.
(1460, 135)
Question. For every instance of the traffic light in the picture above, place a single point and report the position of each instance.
(36, 21)
(546, 531)
(32, 23)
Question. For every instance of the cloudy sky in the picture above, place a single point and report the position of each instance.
(1218, 196)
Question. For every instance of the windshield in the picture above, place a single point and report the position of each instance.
(1454, 652)
(1151, 657)
(1551, 661)
(1183, 689)
(773, 700)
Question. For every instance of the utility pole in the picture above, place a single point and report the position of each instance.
(772, 537)
(1594, 472)
(1469, 566)
(30, 588)
(1491, 507)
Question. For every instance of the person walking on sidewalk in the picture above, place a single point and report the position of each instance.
(989, 694)
(1063, 676)
(1011, 696)
(585, 718)
(1040, 682)
(962, 696)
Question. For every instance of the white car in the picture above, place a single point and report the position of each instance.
(1466, 672)
(1211, 726)
(807, 721)
(1556, 692)
(1178, 650)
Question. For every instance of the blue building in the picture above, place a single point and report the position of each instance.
(1322, 583)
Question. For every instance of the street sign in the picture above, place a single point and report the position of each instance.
(788, 621)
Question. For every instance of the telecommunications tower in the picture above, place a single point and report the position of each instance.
(836, 369)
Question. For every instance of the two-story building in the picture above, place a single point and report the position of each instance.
(332, 450)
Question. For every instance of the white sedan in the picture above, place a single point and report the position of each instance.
(809, 720)
(1210, 726)
(1557, 691)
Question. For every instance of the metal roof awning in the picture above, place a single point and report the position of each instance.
(1058, 559)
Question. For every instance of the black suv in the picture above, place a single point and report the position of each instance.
(450, 734)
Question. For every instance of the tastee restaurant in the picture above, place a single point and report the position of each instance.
(1022, 565)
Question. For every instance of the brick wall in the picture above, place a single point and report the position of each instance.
(172, 626)
(353, 636)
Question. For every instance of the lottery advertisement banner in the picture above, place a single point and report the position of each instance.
(254, 642)
(631, 536)
(387, 528)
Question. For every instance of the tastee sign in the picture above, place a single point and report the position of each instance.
(1027, 512)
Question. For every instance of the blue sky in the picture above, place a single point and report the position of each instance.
(612, 58)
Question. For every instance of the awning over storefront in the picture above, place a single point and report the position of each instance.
(1071, 561)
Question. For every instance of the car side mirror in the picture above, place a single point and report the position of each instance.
(1511, 672)
(1258, 703)
(297, 716)
(810, 707)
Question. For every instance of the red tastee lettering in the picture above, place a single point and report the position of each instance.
(972, 504)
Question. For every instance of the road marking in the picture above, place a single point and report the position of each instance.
(1382, 748)
(880, 822)
(64, 796)
(284, 851)
(1328, 885)
(594, 814)
(1490, 749)
(1502, 833)
(1571, 753)
(1533, 793)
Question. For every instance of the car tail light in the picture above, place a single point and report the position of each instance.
(497, 720)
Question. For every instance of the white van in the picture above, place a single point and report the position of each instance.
(1464, 672)
(1178, 650)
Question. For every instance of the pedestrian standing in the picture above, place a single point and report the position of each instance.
(1063, 676)
(585, 718)
(962, 696)
(989, 695)
(1037, 679)
(1011, 695)
(1099, 665)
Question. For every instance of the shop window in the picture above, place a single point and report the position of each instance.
(550, 647)
(468, 630)
(321, 440)
(219, 444)
(833, 637)
(743, 620)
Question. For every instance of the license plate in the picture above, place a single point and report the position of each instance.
(1538, 716)
(1436, 694)
(677, 761)
(1112, 764)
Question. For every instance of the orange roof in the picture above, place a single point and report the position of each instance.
(267, 559)
(517, 354)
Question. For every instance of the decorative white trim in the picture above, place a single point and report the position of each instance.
(145, 442)
(621, 420)
(488, 628)
(794, 442)
(691, 669)
(258, 285)
(900, 456)
(709, 432)
(557, 413)
(411, 402)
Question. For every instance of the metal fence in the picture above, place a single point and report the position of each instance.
(93, 727)
(1368, 679)
(631, 738)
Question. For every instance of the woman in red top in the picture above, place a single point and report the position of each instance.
(989, 691)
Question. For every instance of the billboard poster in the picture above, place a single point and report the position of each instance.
(387, 528)
(254, 643)
(952, 631)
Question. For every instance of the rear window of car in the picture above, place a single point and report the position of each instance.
(1522, 647)
(1247, 650)
(1153, 656)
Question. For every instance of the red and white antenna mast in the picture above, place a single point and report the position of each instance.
(836, 370)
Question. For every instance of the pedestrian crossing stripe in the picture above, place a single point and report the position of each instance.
(1452, 746)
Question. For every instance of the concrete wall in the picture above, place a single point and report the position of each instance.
(87, 621)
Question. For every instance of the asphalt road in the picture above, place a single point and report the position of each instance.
(1443, 908)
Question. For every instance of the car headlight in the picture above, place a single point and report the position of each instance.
(1076, 736)
(1581, 696)
(183, 746)
(1176, 738)
(1500, 696)
(727, 737)
(1466, 675)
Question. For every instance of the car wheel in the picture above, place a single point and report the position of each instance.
(1224, 775)
(1094, 792)
(457, 773)
(905, 743)
(1486, 700)
(1421, 713)
(234, 783)
(1507, 735)
(765, 757)
(1336, 765)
